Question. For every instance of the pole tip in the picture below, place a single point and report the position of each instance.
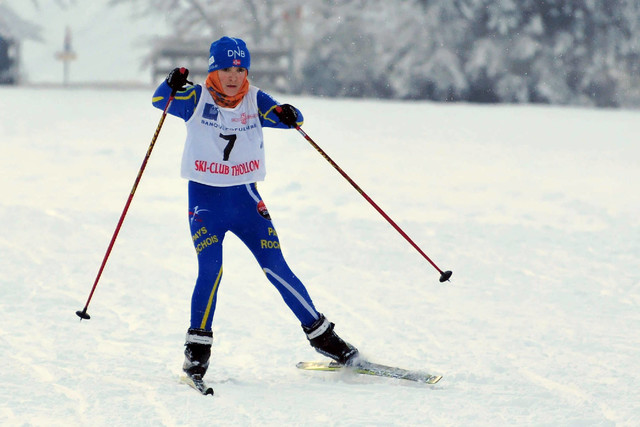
(445, 276)
(83, 314)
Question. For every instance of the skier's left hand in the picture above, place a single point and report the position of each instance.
(287, 114)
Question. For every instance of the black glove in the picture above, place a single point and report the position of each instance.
(287, 114)
(177, 78)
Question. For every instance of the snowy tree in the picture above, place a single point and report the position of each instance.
(260, 22)
(346, 58)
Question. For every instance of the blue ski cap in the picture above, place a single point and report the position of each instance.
(228, 52)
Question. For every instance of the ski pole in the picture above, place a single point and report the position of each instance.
(444, 275)
(83, 313)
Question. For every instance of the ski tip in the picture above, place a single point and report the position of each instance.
(444, 277)
(434, 379)
(83, 315)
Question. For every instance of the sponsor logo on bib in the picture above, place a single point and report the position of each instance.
(210, 111)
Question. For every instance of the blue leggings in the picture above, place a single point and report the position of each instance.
(212, 212)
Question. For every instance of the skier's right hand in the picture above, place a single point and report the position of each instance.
(177, 78)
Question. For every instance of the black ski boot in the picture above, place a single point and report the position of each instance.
(197, 352)
(322, 337)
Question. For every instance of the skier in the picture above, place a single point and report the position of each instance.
(223, 159)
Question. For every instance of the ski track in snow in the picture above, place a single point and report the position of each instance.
(534, 208)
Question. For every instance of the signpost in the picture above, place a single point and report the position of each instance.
(66, 55)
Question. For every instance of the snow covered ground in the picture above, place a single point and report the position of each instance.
(535, 209)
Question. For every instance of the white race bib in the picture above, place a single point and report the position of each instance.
(224, 146)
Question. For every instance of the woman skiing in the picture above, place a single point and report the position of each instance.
(223, 159)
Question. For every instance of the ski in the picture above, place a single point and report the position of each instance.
(197, 383)
(375, 369)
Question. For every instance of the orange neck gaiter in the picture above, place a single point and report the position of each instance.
(215, 89)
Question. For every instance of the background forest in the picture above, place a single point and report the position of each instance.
(561, 52)
(566, 52)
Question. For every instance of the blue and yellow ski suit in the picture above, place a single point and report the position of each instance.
(216, 210)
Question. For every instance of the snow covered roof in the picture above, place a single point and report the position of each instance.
(14, 27)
